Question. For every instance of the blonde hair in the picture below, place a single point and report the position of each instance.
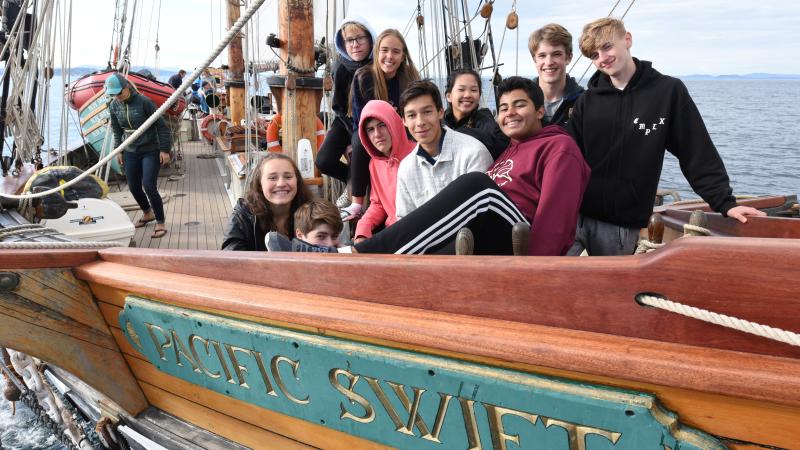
(355, 27)
(552, 33)
(598, 33)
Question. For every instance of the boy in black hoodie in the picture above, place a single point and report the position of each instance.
(623, 123)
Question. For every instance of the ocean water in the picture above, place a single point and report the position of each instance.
(753, 124)
(21, 431)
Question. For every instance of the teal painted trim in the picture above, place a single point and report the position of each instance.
(395, 397)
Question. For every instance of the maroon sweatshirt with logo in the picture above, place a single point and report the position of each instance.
(545, 176)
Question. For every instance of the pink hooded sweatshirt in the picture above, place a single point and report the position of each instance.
(382, 169)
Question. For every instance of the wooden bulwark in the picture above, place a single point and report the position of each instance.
(718, 391)
(588, 294)
(52, 316)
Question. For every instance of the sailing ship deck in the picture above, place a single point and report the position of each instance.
(196, 205)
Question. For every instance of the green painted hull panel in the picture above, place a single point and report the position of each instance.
(97, 135)
(399, 398)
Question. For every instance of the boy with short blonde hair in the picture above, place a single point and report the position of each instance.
(623, 123)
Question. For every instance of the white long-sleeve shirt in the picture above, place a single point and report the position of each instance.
(418, 180)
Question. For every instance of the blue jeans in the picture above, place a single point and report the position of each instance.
(141, 170)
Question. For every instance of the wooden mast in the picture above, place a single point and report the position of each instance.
(300, 99)
(235, 81)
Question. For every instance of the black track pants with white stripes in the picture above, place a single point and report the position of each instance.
(472, 200)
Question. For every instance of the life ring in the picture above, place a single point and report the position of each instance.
(274, 132)
(209, 127)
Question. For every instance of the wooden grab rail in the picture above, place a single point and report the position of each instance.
(745, 278)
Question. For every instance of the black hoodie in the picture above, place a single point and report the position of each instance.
(623, 135)
(572, 90)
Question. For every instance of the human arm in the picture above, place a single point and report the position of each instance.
(480, 160)
(701, 164)
(564, 179)
(116, 128)
(374, 216)
(163, 134)
(361, 92)
(404, 203)
(240, 232)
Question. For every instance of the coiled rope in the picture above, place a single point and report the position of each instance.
(766, 331)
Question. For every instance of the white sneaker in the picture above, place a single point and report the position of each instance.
(344, 200)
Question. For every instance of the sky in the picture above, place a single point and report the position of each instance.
(681, 37)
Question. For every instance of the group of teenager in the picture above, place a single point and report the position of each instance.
(580, 167)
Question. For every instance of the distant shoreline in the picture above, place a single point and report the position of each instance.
(83, 70)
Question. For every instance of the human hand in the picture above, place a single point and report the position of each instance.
(740, 213)
(164, 157)
(119, 158)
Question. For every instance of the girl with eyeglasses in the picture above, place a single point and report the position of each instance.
(354, 45)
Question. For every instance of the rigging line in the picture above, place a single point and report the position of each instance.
(146, 38)
(621, 17)
(441, 49)
(581, 55)
(234, 30)
(407, 28)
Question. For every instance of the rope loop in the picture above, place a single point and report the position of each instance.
(766, 331)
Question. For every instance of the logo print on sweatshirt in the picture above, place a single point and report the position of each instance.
(647, 129)
(501, 173)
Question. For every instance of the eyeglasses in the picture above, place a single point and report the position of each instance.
(360, 40)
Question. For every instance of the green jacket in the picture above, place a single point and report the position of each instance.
(130, 115)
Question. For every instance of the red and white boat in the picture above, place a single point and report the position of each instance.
(86, 87)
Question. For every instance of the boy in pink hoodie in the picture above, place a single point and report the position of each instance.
(384, 137)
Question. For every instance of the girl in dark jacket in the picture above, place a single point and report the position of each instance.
(275, 192)
(354, 44)
(464, 113)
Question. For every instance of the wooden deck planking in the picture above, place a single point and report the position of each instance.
(197, 208)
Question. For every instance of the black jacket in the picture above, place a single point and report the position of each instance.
(572, 91)
(243, 232)
(482, 126)
(623, 135)
(343, 70)
(130, 115)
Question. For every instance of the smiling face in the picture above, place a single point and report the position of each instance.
(390, 55)
(465, 96)
(356, 42)
(551, 62)
(424, 121)
(278, 182)
(614, 59)
(379, 136)
(517, 115)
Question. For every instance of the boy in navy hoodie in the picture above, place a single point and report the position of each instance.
(623, 123)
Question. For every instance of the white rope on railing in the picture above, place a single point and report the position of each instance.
(776, 334)
(234, 30)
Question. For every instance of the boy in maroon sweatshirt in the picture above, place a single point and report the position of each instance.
(539, 180)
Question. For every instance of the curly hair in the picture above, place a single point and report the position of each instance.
(259, 205)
